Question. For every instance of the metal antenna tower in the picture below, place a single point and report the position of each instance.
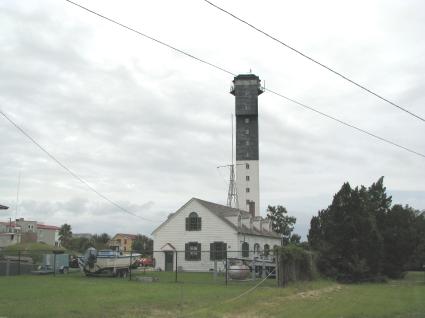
(232, 193)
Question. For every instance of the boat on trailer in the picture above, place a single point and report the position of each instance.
(110, 262)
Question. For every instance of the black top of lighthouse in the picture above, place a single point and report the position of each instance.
(246, 88)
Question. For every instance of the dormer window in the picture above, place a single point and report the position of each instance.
(193, 222)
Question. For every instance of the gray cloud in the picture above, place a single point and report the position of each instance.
(142, 124)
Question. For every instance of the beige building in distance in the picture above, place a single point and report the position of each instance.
(124, 241)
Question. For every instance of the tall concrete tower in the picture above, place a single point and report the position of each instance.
(246, 88)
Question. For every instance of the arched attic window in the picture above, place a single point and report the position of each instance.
(193, 222)
(245, 249)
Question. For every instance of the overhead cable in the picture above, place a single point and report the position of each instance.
(316, 62)
(73, 174)
(233, 74)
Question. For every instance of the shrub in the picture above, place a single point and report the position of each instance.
(295, 264)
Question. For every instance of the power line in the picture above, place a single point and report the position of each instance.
(69, 170)
(151, 38)
(316, 62)
(233, 74)
(347, 124)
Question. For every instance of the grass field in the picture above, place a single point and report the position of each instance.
(76, 296)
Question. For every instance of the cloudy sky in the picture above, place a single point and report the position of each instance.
(147, 127)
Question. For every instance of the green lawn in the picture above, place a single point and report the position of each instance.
(74, 295)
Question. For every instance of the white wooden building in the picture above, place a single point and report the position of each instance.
(202, 232)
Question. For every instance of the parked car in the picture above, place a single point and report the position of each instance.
(146, 262)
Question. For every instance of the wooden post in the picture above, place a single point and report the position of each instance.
(131, 262)
(54, 264)
(277, 270)
(253, 275)
(19, 262)
(226, 269)
(7, 267)
(176, 267)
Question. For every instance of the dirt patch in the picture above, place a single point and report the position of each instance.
(309, 294)
(316, 293)
(242, 315)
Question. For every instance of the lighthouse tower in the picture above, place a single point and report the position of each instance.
(246, 88)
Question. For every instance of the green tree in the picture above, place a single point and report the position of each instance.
(417, 259)
(79, 244)
(143, 245)
(315, 235)
(347, 237)
(295, 239)
(100, 241)
(360, 236)
(400, 239)
(281, 222)
(65, 235)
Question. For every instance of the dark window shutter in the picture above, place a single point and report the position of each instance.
(186, 251)
(187, 224)
(212, 251)
(224, 251)
(199, 224)
(245, 249)
(199, 252)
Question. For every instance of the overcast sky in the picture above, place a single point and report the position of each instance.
(147, 127)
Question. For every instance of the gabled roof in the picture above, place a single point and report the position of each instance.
(217, 209)
(222, 212)
(131, 236)
(164, 247)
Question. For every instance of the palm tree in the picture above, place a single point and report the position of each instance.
(65, 234)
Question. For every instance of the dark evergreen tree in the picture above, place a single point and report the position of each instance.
(400, 239)
(360, 236)
(417, 260)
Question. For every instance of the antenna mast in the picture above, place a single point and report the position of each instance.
(232, 194)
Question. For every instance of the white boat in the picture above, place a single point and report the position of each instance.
(107, 262)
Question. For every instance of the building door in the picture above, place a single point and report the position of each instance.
(169, 261)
